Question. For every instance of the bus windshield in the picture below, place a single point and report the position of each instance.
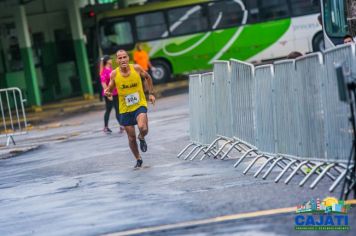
(335, 18)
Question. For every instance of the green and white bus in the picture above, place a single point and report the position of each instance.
(182, 36)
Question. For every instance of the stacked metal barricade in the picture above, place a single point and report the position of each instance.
(13, 117)
(286, 115)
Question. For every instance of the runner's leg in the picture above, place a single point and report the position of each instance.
(117, 114)
(108, 107)
(131, 134)
(142, 123)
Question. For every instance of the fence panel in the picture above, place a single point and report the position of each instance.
(285, 85)
(311, 72)
(264, 109)
(242, 100)
(222, 90)
(209, 115)
(194, 108)
(337, 125)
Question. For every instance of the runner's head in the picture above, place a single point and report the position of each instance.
(122, 58)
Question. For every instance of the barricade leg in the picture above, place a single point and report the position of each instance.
(192, 151)
(185, 149)
(269, 159)
(295, 171)
(198, 152)
(222, 147)
(211, 146)
(245, 155)
(211, 153)
(10, 138)
(285, 170)
(252, 163)
(272, 166)
(338, 180)
(230, 149)
(331, 176)
(317, 180)
(312, 171)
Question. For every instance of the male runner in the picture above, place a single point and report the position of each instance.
(132, 100)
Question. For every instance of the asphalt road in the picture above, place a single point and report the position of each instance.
(79, 181)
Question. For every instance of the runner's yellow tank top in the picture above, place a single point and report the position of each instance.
(130, 91)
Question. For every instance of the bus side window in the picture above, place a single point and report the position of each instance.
(273, 9)
(187, 20)
(151, 26)
(253, 11)
(225, 14)
(303, 7)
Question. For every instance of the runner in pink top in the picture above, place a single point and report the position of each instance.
(105, 71)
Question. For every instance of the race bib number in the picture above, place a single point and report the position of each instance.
(132, 99)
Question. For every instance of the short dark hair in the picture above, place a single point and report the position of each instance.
(121, 50)
(348, 36)
(294, 55)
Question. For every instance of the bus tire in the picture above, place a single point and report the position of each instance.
(162, 71)
(318, 42)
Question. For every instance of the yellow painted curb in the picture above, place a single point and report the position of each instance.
(88, 96)
(212, 220)
(36, 108)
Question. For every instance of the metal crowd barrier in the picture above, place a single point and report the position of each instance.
(12, 114)
(287, 114)
(338, 135)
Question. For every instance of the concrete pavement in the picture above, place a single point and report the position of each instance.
(80, 181)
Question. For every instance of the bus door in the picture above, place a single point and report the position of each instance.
(334, 22)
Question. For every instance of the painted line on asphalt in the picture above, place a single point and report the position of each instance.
(211, 220)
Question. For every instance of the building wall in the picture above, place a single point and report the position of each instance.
(53, 50)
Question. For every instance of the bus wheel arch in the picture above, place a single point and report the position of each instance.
(318, 42)
(163, 70)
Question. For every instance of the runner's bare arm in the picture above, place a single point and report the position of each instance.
(111, 86)
(148, 79)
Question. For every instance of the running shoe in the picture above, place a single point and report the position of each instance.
(143, 145)
(107, 130)
(138, 163)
